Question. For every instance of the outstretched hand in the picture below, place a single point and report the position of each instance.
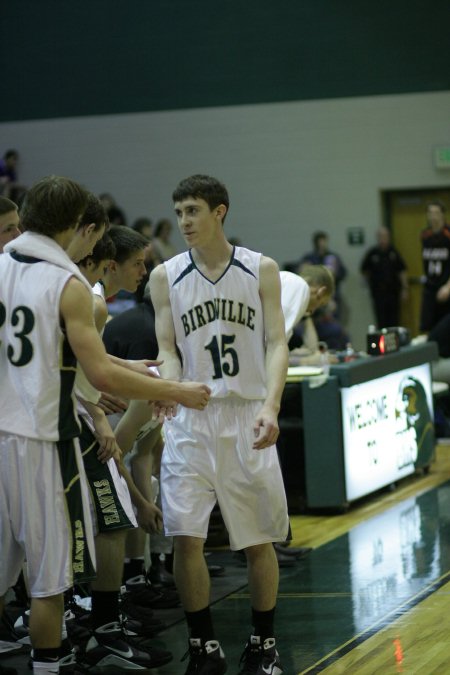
(194, 395)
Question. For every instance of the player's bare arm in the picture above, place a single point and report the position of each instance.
(77, 315)
(266, 423)
(148, 515)
(165, 334)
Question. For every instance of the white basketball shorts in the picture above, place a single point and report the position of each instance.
(208, 457)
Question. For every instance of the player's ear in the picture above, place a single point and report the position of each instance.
(112, 267)
(221, 211)
(88, 229)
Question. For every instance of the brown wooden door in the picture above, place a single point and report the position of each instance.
(405, 216)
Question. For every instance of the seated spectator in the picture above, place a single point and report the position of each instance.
(143, 225)
(163, 247)
(9, 186)
(115, 214)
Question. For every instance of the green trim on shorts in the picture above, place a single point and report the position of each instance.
(82, 565)
(109, 511)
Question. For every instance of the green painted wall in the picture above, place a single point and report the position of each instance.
(64, 58)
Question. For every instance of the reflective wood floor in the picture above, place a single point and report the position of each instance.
(372, 597)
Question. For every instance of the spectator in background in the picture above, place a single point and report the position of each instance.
(321, 255)
(9, 221)
(9, 186)
(385, 271)
(163, 247)
(144, 226)
(8, 167)
(115, 214)
(436, 262)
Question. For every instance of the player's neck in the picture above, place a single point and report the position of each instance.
(212, 255)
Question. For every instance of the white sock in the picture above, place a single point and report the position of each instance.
(45, 668)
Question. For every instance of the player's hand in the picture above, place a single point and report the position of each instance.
(109, 451)
(265, 429)
(112, 404)
(106, 448)
(194, 395)
(149, 517)
(144, 367)
(163, 410)
(443, 293)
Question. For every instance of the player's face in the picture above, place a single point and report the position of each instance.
(318, 298)
(94, 273)
(130, 273)
(435, 217)
(84, 241)
(9, 228)
(197, 222)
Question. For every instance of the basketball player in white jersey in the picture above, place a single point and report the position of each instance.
(46, 324)
(220, 306)
(123, 262)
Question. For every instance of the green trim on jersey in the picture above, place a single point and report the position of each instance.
(82, 565)
(68, 425)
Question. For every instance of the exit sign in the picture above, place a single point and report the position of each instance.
(442, 157)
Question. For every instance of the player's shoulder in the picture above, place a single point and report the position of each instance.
(158, 273)
(268, 264)
(75, 291)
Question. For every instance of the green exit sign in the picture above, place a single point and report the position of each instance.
(442, 157)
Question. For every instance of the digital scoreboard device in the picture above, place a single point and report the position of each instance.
(384, 341)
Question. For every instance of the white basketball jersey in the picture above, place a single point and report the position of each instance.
(37, 364)
(219, 326)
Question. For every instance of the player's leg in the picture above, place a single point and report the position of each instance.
(254, 509)
(193, 583)
(191, 573)
(46, 622)
(188, 497)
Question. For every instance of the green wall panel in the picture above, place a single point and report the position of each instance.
(61, 58)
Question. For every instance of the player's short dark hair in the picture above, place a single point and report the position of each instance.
(437, 202)
(204, 187)
(54, 204)
(7, 205)
(127, 241)
(319, 275)
(95, 213)
(104, 249)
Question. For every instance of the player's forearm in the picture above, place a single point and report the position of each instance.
(277, 358)
(170, 368)
(310, 337)
(125, 383)
(137, 499)
(141, 470)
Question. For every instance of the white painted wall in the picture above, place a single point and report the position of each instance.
(290, 168)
